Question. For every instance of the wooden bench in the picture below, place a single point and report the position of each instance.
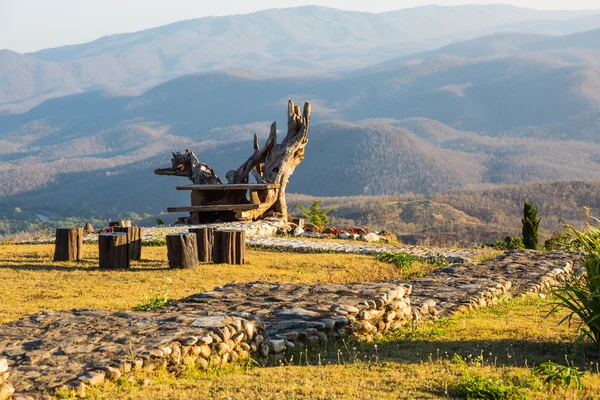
(208, 200)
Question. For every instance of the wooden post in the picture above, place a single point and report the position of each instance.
(229, 247)
(182, 250)
(205, 241)
(69, 244)
(134, 240)
(113, 250)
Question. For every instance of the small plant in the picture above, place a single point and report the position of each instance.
(473, 386)
(402, 260)
(531, 225)
(158, 299)
(562, 240)
(315, 215)
(559, 374)
(581, 296)
(159, 222)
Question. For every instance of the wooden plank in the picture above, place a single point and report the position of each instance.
(220, 207)
(238, 186)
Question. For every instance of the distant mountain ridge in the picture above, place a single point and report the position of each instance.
(293, 41)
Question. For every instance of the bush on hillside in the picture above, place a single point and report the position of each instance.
(509, 243)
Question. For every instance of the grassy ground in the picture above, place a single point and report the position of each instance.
(30, 281)
(499, 346)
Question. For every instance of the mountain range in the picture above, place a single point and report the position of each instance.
(409, 101)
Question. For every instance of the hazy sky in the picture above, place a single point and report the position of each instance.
(28, 25)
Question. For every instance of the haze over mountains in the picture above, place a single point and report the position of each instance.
(305, 40)
(397, 107)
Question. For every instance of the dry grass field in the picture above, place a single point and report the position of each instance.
(30, 281)
(499, 347)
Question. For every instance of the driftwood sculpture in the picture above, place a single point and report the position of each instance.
(272, 165)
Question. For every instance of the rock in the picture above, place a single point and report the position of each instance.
(345, 235)
(213, 320)
(298, 231)
(93, 378)
(89, 229)
(6, 391)
(277, 346)
(202, 363)
(3, 365)
(206, 340)
(112, 374)
(81, 390)
(370, 237)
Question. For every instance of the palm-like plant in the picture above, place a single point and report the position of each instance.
(581, 296)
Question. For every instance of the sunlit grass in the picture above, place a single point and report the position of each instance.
(30, 281)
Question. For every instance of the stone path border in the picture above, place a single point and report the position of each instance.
(82, 348)
(315, 246)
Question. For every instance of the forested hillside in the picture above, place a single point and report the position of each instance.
(467, 217)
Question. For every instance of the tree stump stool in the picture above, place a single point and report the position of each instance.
(69, 244)
(182, 250)
(134, 240)
(229, 247)
(205, 240)
(113, 250)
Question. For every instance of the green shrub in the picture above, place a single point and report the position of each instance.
(402, 260)
(509, 243)
(315, 215)
(531, 225)
(514, 243)
(562, 240)
(581, 296)
(155, 242)
(559, 374)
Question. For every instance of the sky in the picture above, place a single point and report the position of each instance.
(29, 25)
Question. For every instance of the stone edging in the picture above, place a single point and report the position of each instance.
(313, 246)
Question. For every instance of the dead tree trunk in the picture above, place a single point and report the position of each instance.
(230, 247)
(273, 163)
(113, 250)
(69, 244)
(182, 250)
(205, 240)
(134, 240)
